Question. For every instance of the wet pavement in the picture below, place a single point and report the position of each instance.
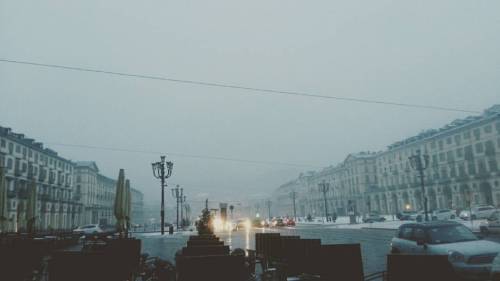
(374, 243)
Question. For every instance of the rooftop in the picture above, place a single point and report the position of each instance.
(489, 113)
(22, 139)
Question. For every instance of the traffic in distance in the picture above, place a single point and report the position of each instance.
(448, 232)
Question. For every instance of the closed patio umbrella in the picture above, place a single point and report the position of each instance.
(119, 208)
(31, 208)
(128, 204)
(4, 211)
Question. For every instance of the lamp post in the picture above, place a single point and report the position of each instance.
(159, 172)
(420, 162)
(182, 201)
(293, 194)
(177, 193)
(231, 209)
(268, 202)
(324, 187)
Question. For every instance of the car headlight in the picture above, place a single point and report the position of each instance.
(454, 256)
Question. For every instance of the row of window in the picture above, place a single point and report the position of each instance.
(468, 152)
(37, 157)
(458, 139)
(461, 170)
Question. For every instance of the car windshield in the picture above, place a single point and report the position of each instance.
(450, 234)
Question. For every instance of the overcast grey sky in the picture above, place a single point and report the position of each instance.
(443, 53)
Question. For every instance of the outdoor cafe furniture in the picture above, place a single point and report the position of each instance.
(220, 268)
(419, 267)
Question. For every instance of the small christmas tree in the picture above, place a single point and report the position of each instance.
(204, 225)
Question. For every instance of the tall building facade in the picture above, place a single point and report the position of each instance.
(98, 193)
(345, 188)
(69, 193)
(27, 161)
(98, 196)
(137, 207)
(462, 169)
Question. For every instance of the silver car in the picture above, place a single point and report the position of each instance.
(443, 214)
(470, 256)
(478, 212)
(88, 229)
(492, 225)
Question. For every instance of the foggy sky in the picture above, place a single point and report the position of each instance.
(442, 53)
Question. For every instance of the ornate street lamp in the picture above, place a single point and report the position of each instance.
(324, 187)
(420, 162)
(162, 170)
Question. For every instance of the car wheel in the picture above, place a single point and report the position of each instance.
(452, 217)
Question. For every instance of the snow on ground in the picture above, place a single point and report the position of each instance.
(389, 224)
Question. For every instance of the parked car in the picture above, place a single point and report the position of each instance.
(492, 224)
(407, 215)
(88, 229)
(413, 215)
(278, 222)
(470, 256)
(373, 217)
(290, 222)
(478, 212)
(443, 214)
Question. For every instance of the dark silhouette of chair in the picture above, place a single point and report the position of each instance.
(205, 250)
(419, 268)
(79, 266)
(203, 237)
(115, 261)
(191, 243)
(338, 262)
(19, 257)
(217, 268)
(312, 248)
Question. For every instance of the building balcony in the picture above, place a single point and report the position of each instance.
(42, 177)
(444, 181)
(11, 193)
(482, 176)
(47, 197)
(391, 188)
(461, 178)
(18, 172)
(22, 193)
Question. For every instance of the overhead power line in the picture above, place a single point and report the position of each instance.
(238, 87)
(92, 147)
